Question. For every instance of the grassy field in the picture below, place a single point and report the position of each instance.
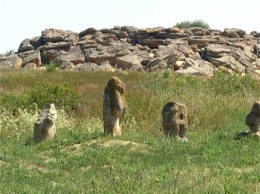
(81, 159)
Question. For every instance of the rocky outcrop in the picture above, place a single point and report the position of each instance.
(194, 51)
(44, 127)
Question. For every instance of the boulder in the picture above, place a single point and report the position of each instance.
(66, 65)
(104, 66)
(99, 57)
(25, 46)
(55, 35)
(6, 64)
(127, 61)
(87, 32)
(197, 31)
(233, 33)
(11, 61)
(197, 66)
(44, 127)
(73, 55)
(30, 66)
(200, 41)
(34, 57)
(57, 45)
(257, 50)
(87, 66)
(36, 42)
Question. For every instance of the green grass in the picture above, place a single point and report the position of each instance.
(80, 159)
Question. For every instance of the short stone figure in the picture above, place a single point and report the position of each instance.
(114, 106)
(44, 127)
(253, 119)
(175, 121)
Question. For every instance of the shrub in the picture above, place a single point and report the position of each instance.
(51, 67)
(190, 24)
(62, 96)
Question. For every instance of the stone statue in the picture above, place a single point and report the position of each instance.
(114, 106)
(175, 121)
(253, 119)
(44, 127)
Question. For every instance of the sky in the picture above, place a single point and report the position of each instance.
(21, 19)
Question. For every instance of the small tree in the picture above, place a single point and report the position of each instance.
(190, 24)
(7, 53)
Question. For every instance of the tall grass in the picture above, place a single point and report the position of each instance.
(81, 160)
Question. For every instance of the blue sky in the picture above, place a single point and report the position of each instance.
(20, 19)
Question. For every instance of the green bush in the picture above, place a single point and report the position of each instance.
(190, 24)
(61, 96)
(51, 67)
(13, 101)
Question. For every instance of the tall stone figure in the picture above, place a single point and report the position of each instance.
(175, 121)
(114, 106)
(253, 119)
(44, 127)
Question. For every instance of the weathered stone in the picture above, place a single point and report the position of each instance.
(257, 50)
(44, 127)
(104, 66)
(73, 55)
(175, 120)
(99, 57)
(58, 45)
(66, 65)
(114, 106)
(55, 35)
(232, 49)
(123, 52)
(186, 50)
(216, 50)
(6, 64)
(197, 66)
(34, 57)
(30, 66)
(11, 61)
(25, 46)
(36, 42)
(217, 40)
(233, 33)
(200, 41)
(87, 66)
(163, 51)
(197, 31)
(253, 118)
(87, 31)
(127, 61)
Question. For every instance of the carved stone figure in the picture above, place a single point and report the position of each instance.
(44, 127)
(175, 121)
(253, 119)
(114, 106)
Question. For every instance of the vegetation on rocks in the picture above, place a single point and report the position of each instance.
(80, 159)
(191, 24)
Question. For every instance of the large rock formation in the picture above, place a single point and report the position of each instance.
(44, 127)
(193, 51)
(114, 106)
